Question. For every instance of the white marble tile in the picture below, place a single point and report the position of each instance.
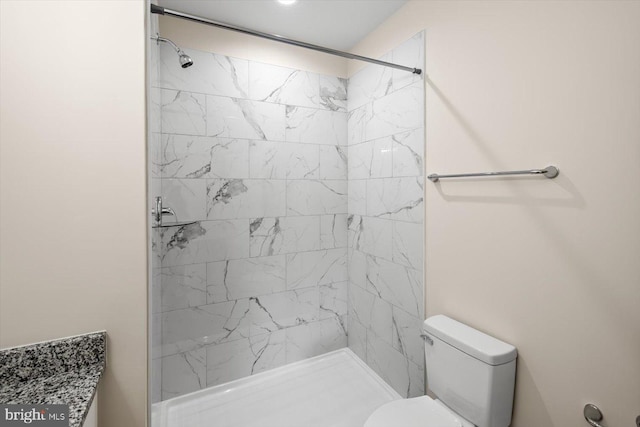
(187, 198)
(205, 241)
(239, 118)
(355, 233)
(333, 231)
(380, 322)
(157, 249)
(406, 336)
(302, 161)
(357, 123)
(238, 359)
(399, 285)
(156, 380)
(243, 278)
(371, 159)
(308, 197)
(279, 160)
(154, 155)
(404, 376)
(210, 73)
(183, 373)
(192, 328)
(309, 125)
(315, 338)
(400, 111)
(372, 82)
(267, 160)
(333, 93)
(334, 299)
(357, 268)
(185, 156)
(218, 289)
(156, 290)
(282, 85)
(283, 235)
(333, 162)
(410, 54)
(284, 309)
(183, 286)
(357, 334)
(155, 110)
(357, 197)
(408, 244)
(377, 237)
(183, 112)
(372, 312)
(315, 268)
(156, 336)
(153, 62)
(396, 198)
(408, 153)
(417, 385)
(250, 198)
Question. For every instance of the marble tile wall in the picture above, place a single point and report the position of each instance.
(386, 218)
(257, 156)
(289, 246)
(154, 137)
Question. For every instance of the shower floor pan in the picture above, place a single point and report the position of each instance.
(332, 390)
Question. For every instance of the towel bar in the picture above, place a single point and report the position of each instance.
(548, 172)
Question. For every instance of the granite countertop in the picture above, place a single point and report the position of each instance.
(63, 371)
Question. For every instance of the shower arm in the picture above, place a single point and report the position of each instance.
(159, 39)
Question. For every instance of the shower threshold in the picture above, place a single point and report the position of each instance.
(335, 389)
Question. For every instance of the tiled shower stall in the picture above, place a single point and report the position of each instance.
(306, 193)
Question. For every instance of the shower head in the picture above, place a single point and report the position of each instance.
(185, 60)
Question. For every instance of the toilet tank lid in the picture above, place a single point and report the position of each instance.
(471, 341)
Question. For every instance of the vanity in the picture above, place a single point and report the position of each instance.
(65, 371)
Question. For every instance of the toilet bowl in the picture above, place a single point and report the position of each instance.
(471, 373)
(420, 411)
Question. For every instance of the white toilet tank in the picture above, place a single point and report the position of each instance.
(470, 372)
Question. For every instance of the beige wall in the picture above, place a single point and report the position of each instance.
(72, 185)
(550, 266)
(210, 39)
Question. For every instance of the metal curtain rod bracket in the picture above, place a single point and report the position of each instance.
(170, 12)
(549, 172)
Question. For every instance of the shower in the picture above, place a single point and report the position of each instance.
(185, 60)
(253, 157)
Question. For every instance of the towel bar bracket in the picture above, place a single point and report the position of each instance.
(593, 415)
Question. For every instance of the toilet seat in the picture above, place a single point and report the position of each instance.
(420, 411)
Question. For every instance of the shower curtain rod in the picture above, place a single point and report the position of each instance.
(164, 11)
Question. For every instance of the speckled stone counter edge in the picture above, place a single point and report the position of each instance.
(80, 360)
(53, 357)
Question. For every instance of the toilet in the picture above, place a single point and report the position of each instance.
(471, 373)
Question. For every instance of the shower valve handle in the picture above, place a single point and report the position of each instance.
(159, 211)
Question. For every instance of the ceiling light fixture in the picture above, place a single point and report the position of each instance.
(287, 2)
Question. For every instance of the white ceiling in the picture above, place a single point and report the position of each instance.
(338, 24)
